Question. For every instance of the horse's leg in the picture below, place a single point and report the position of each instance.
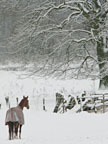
(10, 130)
(9, 126)
(20, 131)
(13, 130)
(16, 129)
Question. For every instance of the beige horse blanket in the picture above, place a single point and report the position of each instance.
(15, 114)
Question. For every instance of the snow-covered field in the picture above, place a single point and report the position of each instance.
(46, 127)
(12, 86)
(50, 128)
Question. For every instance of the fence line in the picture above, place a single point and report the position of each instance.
(98, 100)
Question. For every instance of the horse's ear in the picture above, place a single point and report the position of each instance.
(27, 97)
(23, 97)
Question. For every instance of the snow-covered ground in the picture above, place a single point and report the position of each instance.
(46, 127)
(12, 86)
(50, 128)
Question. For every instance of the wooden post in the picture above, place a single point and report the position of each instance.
(103, 103)
(81, 106)
(63, 106)
(17, 100)
(44, 104)
(94, 105)
(95, 110)
(9, 104)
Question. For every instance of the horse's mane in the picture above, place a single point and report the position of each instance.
(21, 102)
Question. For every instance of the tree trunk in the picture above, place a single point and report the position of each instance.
(104, 83)
(102, 59)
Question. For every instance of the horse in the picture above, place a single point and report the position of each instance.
(15, 118)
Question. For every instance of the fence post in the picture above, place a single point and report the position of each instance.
(63, 107)
(81, 104)
(103, 103)
(94, 104)
(44, 104)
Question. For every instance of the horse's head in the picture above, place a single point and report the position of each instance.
(26, 102)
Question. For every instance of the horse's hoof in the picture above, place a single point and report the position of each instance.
(16, 137)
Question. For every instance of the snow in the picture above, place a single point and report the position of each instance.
(37, 88)
(99, 4)
(46, 127)
(49, 128)
(84, 9)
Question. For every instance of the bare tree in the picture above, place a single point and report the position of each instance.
(66, 38)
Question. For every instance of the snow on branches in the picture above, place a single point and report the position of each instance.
(62, 37)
